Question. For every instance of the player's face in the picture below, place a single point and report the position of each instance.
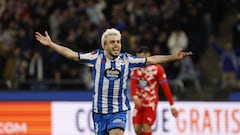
(113, 46)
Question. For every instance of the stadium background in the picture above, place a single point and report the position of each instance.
(78, 24)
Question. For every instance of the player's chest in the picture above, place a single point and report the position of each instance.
(148, 73)
(111, 70)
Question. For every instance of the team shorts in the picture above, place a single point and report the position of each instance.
(103, 123)
(144, 115)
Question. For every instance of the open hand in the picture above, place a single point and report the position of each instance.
(45, 40)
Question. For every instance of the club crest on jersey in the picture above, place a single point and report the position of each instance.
(120, 62)
(112, 73)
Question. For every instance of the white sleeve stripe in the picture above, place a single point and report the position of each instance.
(88, 56)
(137, 60)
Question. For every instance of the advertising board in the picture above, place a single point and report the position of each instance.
(25, 118)
(75, 118)
(195, 118)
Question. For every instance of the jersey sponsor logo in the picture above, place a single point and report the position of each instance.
(112, 73)
(142, 83)
(120, 62)
(10, 127)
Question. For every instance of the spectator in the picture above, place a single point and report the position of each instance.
(236, 33)
(2, 6)
(12, 64)
(188, 72)
(228, 63)
(177, 40)
(162, 39)
(36, 71)
(55, 19)
(95, 11)
(23, 40)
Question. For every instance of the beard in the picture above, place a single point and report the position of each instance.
(114, 55)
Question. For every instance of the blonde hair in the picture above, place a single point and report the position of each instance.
(108, 32)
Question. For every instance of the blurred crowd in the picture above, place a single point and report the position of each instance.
(163, 25)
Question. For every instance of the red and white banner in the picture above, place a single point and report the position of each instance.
(75, 118)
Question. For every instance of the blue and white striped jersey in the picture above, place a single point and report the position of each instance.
(110, 79)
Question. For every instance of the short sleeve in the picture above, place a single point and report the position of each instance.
(88, 58)
(135, 62)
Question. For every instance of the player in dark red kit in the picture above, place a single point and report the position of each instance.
(144, 89)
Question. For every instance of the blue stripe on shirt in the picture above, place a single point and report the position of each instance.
(100, 86)
(110, 90)
(121, 86)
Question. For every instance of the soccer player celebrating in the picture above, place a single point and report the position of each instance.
(111, 70)
(144, 88)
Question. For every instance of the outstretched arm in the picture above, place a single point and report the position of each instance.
(158, 59)
(64, 51)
